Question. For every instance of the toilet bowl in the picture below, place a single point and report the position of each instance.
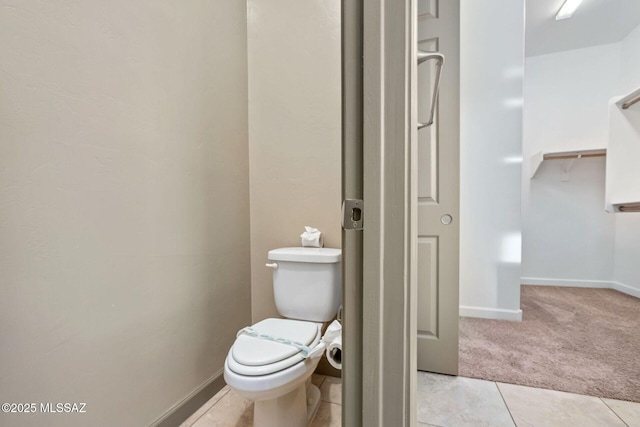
(271, 362)
(274, 374)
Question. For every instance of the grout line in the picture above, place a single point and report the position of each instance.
(505, 404)
(612, 410)
(210, 407)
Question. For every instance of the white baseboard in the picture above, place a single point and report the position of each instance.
(516, 315)
(491, 313)
(569, 283)
(603, 284)
(626, 289)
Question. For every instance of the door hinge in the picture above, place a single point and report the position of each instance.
(352, 214)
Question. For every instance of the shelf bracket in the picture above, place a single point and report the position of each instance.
(566, 172)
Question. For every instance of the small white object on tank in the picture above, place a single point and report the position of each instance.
(312, 238)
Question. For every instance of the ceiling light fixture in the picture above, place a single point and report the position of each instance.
(567, 9)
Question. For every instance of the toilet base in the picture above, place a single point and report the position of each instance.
(313, 402)
(294, 409)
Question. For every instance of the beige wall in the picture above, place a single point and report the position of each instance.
(124, 205)
(294, 130)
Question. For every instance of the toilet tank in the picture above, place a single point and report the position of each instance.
(307, 282)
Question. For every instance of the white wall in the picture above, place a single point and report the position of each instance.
(566, 233)
(626, 270)
(567, 99)
(567, 237)
(294, 130)
(124, 243)
(492, 62)
(623, 152)
(630, 69)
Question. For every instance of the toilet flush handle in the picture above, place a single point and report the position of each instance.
(273, 265)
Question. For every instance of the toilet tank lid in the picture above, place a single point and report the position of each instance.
(301, 254)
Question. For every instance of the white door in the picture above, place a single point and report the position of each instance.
(438, 189)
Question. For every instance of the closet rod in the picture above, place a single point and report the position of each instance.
(631, 102)
(629, 207)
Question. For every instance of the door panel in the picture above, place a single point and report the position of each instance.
(428, 8)
(428, 291)
(427, 137)
(438, 191)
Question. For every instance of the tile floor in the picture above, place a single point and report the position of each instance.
(445, 401)
(227, 409)
(456, 401)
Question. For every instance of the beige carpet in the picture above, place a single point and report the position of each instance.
(579, 340)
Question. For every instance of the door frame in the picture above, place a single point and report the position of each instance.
(380, 390)
(389, 258)
(352, 188)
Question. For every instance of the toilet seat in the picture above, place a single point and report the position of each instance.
(253, 356)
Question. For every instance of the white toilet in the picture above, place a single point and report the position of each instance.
(272, 361)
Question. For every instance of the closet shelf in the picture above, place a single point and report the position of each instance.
(571, 156)
(630, 100)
